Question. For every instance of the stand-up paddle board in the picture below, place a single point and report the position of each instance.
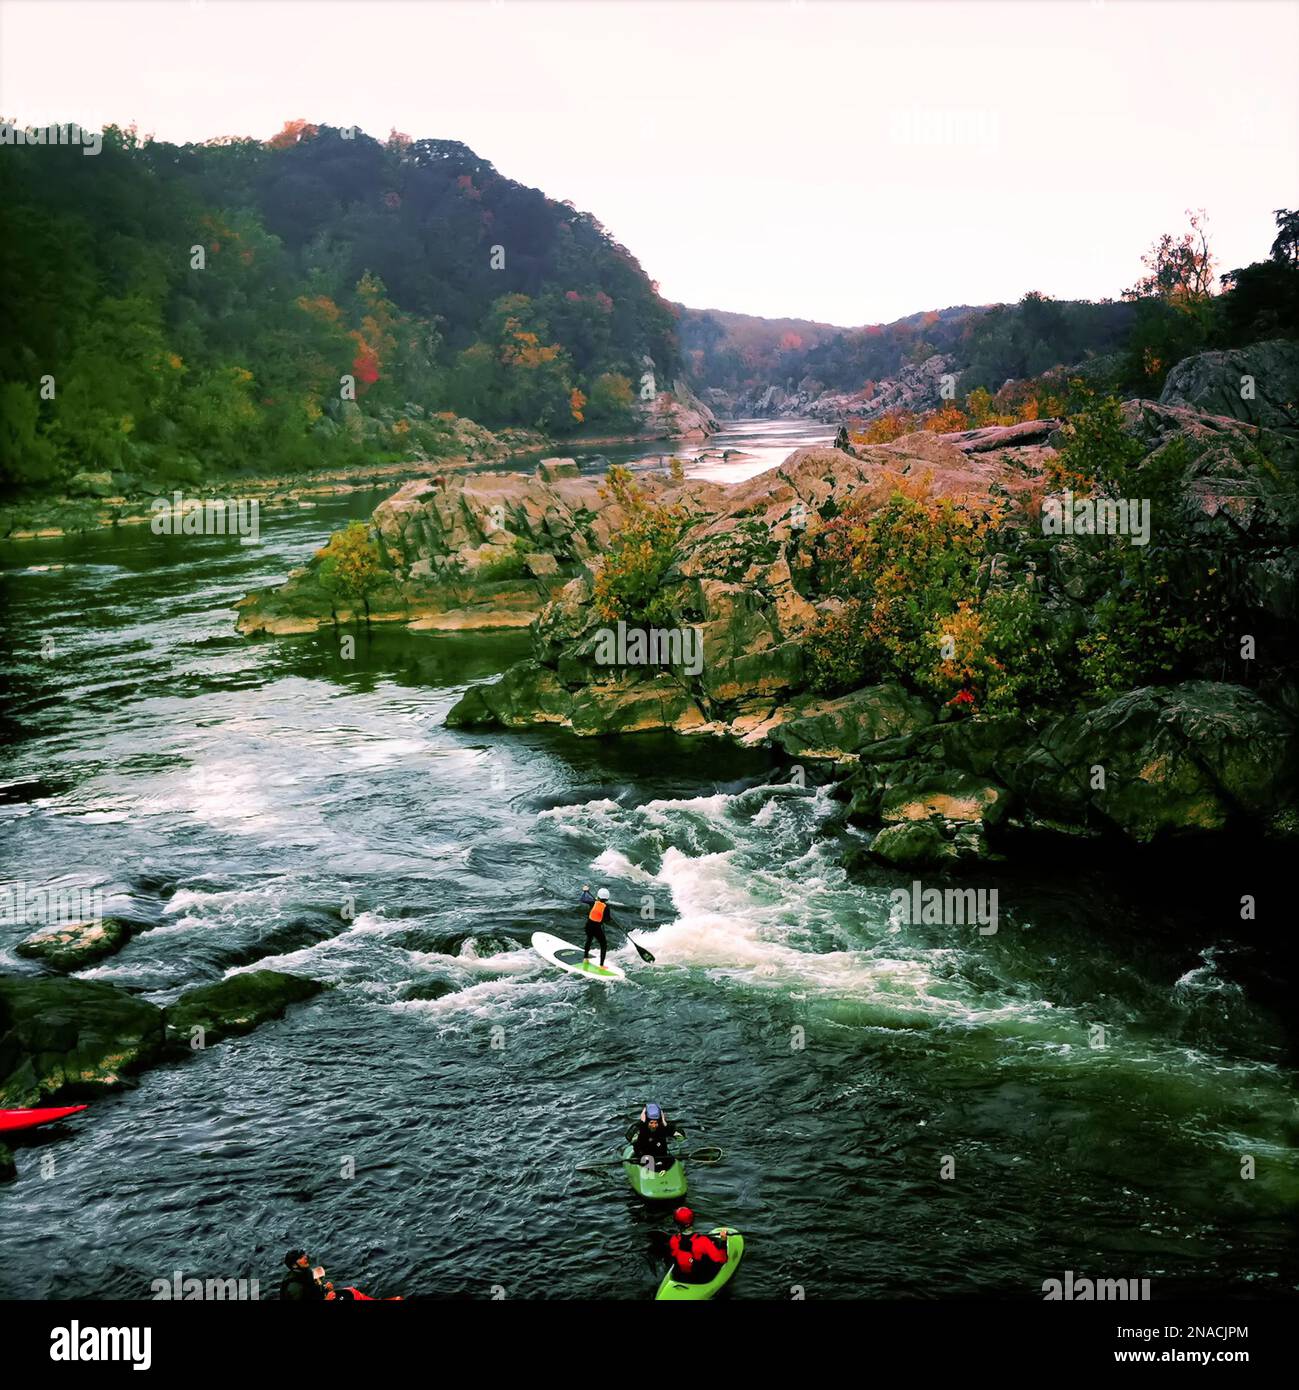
(569, 957)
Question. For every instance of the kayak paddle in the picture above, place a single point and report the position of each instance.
(708, 1155)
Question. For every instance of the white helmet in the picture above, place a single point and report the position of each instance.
(603, 895)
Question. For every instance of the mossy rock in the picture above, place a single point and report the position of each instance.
(75, 945)
(913, 845)
(68, 1040)
(236, 1005)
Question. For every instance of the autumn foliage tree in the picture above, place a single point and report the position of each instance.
(351, 566)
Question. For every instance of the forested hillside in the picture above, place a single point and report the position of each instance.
(187, 311)
(1182, 305)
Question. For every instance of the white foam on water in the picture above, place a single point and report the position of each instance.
(615, 864)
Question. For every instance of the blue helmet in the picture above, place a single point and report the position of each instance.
(654, 1111)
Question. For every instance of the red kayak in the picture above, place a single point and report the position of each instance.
(29, 1119)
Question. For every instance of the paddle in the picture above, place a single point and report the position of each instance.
(708, 1155)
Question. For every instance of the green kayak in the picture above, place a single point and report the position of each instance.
(673, 1288)
(671, 1182)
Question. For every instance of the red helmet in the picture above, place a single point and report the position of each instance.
(683, 1216)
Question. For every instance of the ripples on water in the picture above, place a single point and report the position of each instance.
(234, 796)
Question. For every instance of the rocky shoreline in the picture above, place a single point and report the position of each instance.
(96, 500)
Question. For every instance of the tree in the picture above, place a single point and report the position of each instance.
(351, 565)
(1286, 246)
(1180, 270)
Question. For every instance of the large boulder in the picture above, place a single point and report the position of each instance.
(834, 728)
(1258, 384)
(64, 1039)
(1158, 762)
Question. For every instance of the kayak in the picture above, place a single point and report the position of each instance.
(569, 957)
(672, 1288)
(29, 1119)
(671, 1182)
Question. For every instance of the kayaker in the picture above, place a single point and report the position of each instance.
(652, 1135)
(596, 919)
(696, 1258)
(302, 1283)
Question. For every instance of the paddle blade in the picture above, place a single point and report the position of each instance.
(642, 952)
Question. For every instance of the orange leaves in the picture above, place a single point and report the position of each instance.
(523, 349)
(949, 420)
(576, 401)
(321, 307)
(893, 424)
(293, 133)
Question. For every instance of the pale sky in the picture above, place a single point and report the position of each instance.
(844, 161)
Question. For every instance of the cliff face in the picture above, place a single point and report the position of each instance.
(1258, 385)
(916, 387)
(676, 414)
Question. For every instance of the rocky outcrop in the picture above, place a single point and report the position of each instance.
(676, 414)
(1258, 385)
(1162, 761)
(1154, 764)
(738, 582)
(464, 551)
(917, 387)
(234, 1006)
(76, 945)
(68, 1040)
(1157, 762)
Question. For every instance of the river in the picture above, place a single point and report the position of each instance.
(270, 804)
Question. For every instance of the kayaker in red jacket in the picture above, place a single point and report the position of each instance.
(696, 1258)
(596, 919)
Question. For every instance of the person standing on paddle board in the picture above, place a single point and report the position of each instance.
(597, 919)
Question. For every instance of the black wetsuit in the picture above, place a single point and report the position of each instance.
(653, 1144)
(595, 930)
(299, 1286)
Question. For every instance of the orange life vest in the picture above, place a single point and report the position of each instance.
(598, 909)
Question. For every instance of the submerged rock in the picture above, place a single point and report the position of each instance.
(64, 1039)
(428, 989)
(8, 1169)
(236, 1005)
